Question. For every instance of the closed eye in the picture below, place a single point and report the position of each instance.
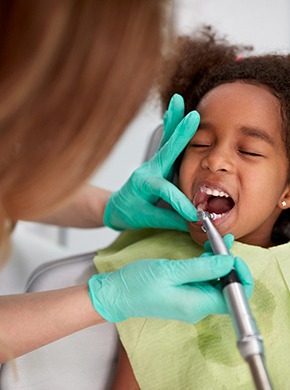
(200, 146)
(250, 153)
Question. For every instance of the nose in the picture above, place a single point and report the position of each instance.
(218, 159)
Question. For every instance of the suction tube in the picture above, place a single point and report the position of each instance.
(249, 341)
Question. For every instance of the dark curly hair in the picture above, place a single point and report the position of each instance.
(205, 61)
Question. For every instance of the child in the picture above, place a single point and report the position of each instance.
(236, 166)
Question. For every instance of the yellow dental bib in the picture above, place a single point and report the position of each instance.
(174, 355)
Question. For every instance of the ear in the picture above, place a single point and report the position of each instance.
(284, 201)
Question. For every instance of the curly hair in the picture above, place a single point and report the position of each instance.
(205, 61)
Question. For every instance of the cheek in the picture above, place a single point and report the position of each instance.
(259, 191)
(276, 179)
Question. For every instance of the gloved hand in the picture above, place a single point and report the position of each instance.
(172, 117)
(170, 290)
(228, 240)
(134, 205)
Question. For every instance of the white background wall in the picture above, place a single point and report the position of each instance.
(262, 23)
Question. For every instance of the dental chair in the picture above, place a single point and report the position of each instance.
(85, 360)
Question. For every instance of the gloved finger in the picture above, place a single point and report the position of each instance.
(213, 301)
(165, 219)
(177, 142)
(202, 300)
(245, 276)
(228, 240)
(199, 269)
(172, 117)
(167, 191)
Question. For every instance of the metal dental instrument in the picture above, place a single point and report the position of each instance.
(249, 340)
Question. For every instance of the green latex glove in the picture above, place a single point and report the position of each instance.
(134, 205)
(172, 117)
(228, 240)
(171, 290)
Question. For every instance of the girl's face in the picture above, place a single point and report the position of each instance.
(236, 165)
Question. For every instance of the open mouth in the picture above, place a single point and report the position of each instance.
(214, 201)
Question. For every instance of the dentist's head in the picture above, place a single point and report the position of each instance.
(72, 75)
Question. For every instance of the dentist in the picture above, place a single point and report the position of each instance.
(72, 75)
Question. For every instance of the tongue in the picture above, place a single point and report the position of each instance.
(219, 205)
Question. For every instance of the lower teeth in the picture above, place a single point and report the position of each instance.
(202, 207)
(216, 216)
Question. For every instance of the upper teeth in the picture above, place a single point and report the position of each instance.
(214, 192)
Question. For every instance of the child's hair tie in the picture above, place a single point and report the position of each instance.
(239, 58)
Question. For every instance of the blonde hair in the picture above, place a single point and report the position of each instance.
(73, 73)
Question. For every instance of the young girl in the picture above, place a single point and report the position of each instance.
(237, 167)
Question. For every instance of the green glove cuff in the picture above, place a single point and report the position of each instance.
(96, 294)
(108, 216)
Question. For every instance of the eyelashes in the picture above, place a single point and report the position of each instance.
(250, 153)
(244, 152)
(200, 146)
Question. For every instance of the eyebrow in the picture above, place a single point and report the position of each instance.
(246, 130)
(257, 133)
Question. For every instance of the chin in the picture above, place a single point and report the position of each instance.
(198, 236)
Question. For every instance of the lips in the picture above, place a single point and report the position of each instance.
(213, 199)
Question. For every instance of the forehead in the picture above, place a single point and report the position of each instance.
(242, 102)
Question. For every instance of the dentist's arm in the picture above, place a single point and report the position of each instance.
(178, 290)
(84, 209)
(29, 321)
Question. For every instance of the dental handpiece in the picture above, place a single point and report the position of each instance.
(249, 341)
